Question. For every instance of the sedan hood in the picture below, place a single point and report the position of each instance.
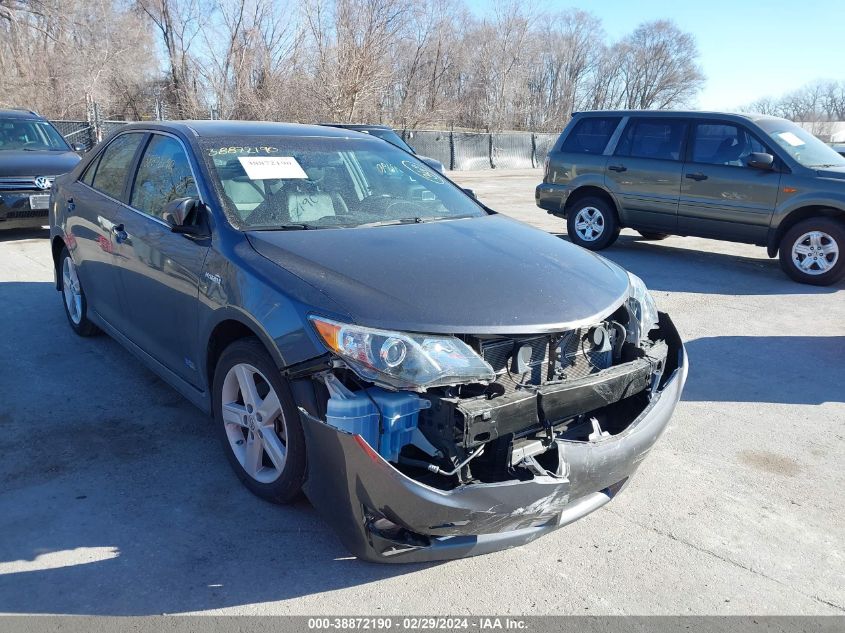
(477, 275)
(836, 173)
(36, 163)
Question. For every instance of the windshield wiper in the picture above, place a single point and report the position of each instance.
(285, 227)
(389, 222)
(447, 217)
(417, 220)
(826, 165)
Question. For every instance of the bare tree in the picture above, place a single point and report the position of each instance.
(352, 42)
(179, 22)
(411, 63)
(820, 101)
(250, 57)
(659, 66)
(56, 55)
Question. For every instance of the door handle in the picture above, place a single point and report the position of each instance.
(119, 232)
(619, 168)
(70, 206)
(697, 176)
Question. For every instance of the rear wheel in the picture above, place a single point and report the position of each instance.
(813, 251)
(76, 306)
(591, 223)
(257, 422)
(651, 235)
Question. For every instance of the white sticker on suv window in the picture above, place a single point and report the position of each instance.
(271, 167)
(791, 138)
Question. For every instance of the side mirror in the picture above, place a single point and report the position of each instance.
(760, 160)
(177, 211)
(79, 147)
(470, 193)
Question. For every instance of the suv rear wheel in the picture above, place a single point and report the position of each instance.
(813, 251)
(592, 223)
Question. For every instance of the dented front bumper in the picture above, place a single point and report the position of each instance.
(382, 515)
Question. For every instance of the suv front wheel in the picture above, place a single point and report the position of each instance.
(813, 251)
(592, 223)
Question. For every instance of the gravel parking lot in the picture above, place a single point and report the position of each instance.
(115, 498)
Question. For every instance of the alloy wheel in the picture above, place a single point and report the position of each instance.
(815, 253)
(254, 423)
(72, 291)
(589, 224)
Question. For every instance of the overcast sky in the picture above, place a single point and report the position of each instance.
(749, 48)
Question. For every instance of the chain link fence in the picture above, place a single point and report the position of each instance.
(456, 150)
(87, 133)
(76, 132)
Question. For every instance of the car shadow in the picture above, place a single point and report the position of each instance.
(778, 369)
(672, 268)
(16, 235)
(116, 497)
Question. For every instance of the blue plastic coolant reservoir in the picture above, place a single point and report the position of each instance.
(358, 412)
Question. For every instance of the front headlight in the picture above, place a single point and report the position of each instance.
(642, 307)
(403, 360)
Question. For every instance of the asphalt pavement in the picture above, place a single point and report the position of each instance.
(116, 498)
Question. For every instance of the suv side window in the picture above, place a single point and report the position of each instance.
(661, 139)
(590, 135)
(115, 161)
(723, 144)
(164, 174)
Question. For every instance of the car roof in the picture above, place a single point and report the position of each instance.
(20, 113)
(201, 129)
(358, 126)
(697, 114)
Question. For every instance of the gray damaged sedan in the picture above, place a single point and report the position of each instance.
(440, 381)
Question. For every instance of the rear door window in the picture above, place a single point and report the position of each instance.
(115, 163)
(590, 135)
(88, 175)
(723, 144)
(660, 139)
(164, 174)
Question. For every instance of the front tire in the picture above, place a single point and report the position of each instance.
(813, 251)
(73, 296)
(258, 423)
(592, 223)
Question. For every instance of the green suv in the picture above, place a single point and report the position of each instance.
(743, 178)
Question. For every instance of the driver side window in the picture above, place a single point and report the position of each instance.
(164, 174)
(723, 144)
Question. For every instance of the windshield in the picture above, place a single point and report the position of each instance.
(805, 148)
(29, 134)
(321, 182)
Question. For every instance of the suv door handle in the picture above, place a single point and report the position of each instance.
(619, 168)
(697, 176)
(119, 233)
(70, 205)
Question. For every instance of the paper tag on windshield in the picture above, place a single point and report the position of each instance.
(271, 167)
(789, 137)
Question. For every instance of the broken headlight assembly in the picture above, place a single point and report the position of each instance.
(403, 360)
(642, 308)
